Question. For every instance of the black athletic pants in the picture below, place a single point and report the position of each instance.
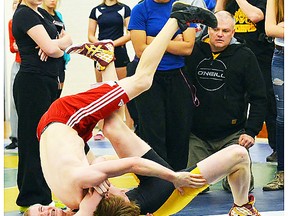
(33, 95)
(164, 113)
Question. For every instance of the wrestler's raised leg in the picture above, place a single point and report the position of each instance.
(149, 61)
(125, 142)
(234, 162)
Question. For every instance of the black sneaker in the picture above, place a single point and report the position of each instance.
(13, 144)
(185, 14)
(272, 157)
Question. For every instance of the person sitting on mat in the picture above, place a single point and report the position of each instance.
(80, 181)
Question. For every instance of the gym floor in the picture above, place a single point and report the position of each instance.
(216, 202)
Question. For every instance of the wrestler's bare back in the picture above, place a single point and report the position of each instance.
(62, 156)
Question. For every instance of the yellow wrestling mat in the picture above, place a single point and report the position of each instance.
(10, 193)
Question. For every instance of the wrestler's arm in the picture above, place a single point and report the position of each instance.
(94, 174)
(92, 159)
(89, 203)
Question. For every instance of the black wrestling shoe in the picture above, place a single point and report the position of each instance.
(186, 14)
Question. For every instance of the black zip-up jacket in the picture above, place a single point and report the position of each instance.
(224, 86)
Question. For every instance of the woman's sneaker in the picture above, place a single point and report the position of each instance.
(186, 14)
(13, 144)
(99, 136)
(245, 210)
(101, 51)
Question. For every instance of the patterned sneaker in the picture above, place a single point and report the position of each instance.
(185, 14)
(102, 52)
(276, 184)
(245, 210)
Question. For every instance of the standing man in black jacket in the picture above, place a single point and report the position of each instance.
(227, 76)
(250, 26)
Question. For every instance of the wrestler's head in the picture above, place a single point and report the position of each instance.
(116, 205)
(39, 209)
(116, 202)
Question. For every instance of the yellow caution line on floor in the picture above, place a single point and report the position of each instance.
(11, 161)
(10, 195)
